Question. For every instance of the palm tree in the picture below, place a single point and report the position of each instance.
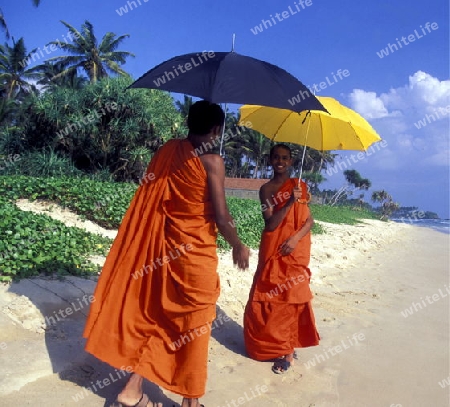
(7, 109)
(3, 24)
(14, 75)
(380, 196)
(354, 178)
(315, 160)
(388, 206)
(313, 179)
(50, 77)
(257, 148)
(96, 60)
(184, 106)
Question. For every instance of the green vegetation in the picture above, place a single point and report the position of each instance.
(348, 215)
(104, 203)
(99, 128)
(388, 206)
(32, 244)
(69, 126)
(87, 53)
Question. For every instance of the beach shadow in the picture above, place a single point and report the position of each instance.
(228, 332)
(63, 337)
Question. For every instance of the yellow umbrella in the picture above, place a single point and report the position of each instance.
(341, 129)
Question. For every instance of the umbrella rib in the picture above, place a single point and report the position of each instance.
(355, 135)
(278, 128)
(282, 123)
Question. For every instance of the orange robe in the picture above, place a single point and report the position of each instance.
(278, 316)
(155, 298)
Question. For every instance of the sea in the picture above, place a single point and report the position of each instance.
(441, 225)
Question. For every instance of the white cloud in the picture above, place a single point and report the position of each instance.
(423, 93)
(414, 119)
(414, 166)
(368, 104)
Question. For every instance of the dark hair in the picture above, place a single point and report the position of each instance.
(203, 116)
(280, 145)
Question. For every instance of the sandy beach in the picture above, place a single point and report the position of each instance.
(381, 301)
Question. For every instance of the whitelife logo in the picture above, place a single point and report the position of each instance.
(181, 69)
(391, 48)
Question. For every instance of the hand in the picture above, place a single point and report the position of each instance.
(288, 246)
(241, 254)
(296, 195)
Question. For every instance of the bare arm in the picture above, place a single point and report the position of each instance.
(215, 169)
(289, 244)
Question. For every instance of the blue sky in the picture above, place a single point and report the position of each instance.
(394, 92)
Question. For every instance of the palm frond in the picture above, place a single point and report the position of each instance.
(3, 24)
(96, 61)
(114, 43)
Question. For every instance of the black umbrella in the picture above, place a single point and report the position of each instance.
(228, 77)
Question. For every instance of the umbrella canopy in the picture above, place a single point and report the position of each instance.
(341, 129)
(228, 77)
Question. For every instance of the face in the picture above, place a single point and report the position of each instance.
(281, 160)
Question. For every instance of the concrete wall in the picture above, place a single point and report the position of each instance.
(242, 193)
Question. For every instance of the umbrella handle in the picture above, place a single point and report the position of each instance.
(308, 113)
(308, 194)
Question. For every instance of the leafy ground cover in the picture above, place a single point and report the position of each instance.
(104, 203)
(349, 215)
(33, 244)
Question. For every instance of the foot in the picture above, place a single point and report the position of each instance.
(283, 363)
(291, 358)
(132, 395)
(191, 403)
(142, 402)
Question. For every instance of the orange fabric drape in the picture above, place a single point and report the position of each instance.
(278, 316)
(159, 284)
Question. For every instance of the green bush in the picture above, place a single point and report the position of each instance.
(102, 202)
(249, 222)
(101, 127)
(44, 163)
(349, 215)
(63, 250)
(32, 245)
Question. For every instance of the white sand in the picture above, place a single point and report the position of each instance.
(364, 276)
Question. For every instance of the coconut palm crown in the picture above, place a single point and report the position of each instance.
(96, 60)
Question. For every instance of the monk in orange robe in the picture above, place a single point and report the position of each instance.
(156, 296)
(278, 316)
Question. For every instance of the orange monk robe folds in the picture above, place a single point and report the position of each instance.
(278, 316)
(160, 284)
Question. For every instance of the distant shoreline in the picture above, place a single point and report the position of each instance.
(440, 225)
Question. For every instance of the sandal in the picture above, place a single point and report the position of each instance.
(201, 405)
(143, 402)
(281, 365)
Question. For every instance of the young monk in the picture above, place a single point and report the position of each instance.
(278, 316)
(156, 296)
